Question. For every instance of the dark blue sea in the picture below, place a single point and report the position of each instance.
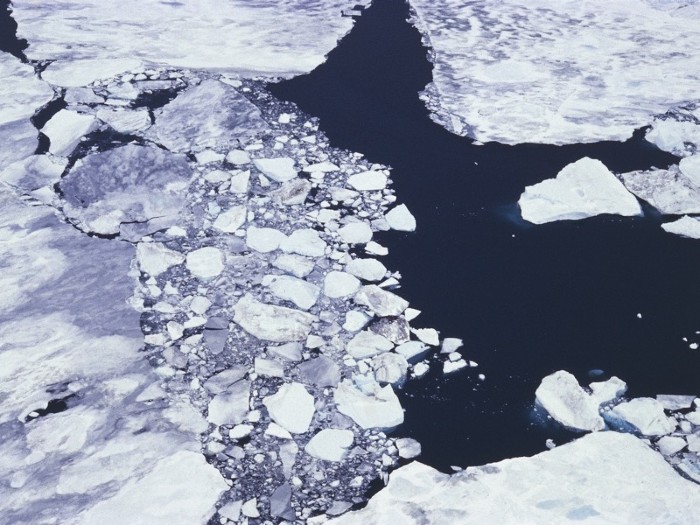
(527, 300)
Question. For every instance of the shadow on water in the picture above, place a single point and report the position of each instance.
(527, 300)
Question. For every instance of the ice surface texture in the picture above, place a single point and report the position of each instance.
(92, 39)
(558, 72)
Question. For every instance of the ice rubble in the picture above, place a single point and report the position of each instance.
(600, 478)
(582, 189)
(557, 72)
(91, 40)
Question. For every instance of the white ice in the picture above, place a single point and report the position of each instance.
(555, 71)
(601, 478)
(580, 190)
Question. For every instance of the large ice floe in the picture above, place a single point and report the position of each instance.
(582, 189)
(601, 478)
(87, 40)
(557, 72)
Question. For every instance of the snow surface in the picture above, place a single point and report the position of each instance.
(582, 189)
(90, 39)
(555, 71)
(601, 478)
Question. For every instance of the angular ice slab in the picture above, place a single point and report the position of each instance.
(126, 185)
(211, 115)
(601, 478)
(93, 39)
(582, 189)
(554, 71)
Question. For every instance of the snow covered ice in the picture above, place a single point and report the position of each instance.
(557, 72)
(583, 189)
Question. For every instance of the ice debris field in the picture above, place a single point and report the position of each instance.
(195, 322)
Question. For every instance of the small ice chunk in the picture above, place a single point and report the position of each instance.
(368, 181)
(564, 399)
(675, 402)
(429, 336)
(451, 344)
(449, 367)
(231, 220)
(412, 349)
(670, 445)
(685, 227)
(272, 323)
(400, 219)
(381, 302)
(304, 242)
(154, 258)
(606, 391)
(368, 344)
(268, 368)
(355, 320)
(390, 368)
(367, 269)
(340, 284)
(356, 233)
(408, 448)
(380, 409)
(238, 157)
(65, 129)
(205, 263)
(291, 407)
(264, 240)
(330, 444)
(288, 288)
(280, 169)
(645, 415)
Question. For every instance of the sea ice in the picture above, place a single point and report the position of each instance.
(210, 115)
(685, 227)
(556, 72)
(564, 399)
(381, 409)
(582, 189)
(291, 407)
(272, 323)
(65, 129)
(605, 477)
(400, 219)
(127, 184)
(330, 444)
(645, 415)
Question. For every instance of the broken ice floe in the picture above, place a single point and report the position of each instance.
(582, 189)
(555, 72)
(671, 419)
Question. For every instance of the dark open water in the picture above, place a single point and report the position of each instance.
(527, 300)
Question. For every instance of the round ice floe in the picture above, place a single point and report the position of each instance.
(330, 444)
(205, 263)
(356, 233)
(340, 284)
